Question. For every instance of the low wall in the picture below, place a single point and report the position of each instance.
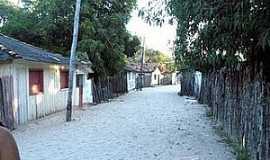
(239, 99)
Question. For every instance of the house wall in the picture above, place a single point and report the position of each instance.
(131, 80)
(157, 80)
(6, 69)
(53, 98)
(15, 2)
(87, 90)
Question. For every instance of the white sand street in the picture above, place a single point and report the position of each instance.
(155, 124)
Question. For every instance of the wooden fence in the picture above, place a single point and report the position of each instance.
(239, 101)
(109, 87)
(6, 102)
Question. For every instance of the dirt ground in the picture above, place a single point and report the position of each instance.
(155, 124)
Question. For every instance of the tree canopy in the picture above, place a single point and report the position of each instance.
(103, 37)
(212, 34)
(165, 62)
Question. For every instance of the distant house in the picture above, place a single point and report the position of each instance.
(34, 82)
(151, 74)
(15, 2)
(156, 75)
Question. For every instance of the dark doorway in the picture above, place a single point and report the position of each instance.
(79, 84)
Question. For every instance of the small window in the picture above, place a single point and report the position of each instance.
(64, 79)
(35, 82)
(155, 77)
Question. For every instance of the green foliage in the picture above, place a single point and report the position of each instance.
(212, 34)
(103, 36)
(17, 21)
(154, 56)
(242, 154)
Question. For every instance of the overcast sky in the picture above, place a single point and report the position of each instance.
(157, 38)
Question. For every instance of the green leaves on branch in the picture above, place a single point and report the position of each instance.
(103, 36)
(211, 34)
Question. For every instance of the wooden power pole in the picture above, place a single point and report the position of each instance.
(72, 61)
(142, 64)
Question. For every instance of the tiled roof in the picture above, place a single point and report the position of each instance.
(14, 49)
(147, 67)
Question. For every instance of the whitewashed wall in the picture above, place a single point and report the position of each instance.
(158, 77)
(131, 80)
(87, 90)
(53, 98)
(16, 2)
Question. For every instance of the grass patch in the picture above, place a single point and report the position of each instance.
(240, 152)
(209, 114)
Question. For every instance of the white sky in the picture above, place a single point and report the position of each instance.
(157, 38)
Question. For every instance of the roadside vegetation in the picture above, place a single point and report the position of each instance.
(214, 34)
(48, 24)
(164, 60)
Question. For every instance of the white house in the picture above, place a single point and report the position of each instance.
(35, 82)
(156, 76)
(152, 75)
(15, 2)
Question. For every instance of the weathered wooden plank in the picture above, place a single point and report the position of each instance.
(2, 117)
(8, 96)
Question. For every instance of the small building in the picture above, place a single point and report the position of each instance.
(34, 82)
(15, 2)
(151, 74)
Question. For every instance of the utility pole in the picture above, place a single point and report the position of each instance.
(142, 64)
(72, 61)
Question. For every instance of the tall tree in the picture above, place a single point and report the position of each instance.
(103, 36)
(211, 34)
